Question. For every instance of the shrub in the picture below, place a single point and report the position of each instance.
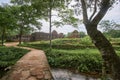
(59, 46)
(77, 60)
(86, 41)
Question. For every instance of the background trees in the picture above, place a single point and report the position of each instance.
(110, 28)
(45, 9)
(26, 16)
(7, 21)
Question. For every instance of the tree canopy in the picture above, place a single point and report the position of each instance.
(108, 25)
(7, 21)
(110, 28)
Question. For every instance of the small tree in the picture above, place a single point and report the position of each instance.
(45, 8)
(26, 16)
(7, 21)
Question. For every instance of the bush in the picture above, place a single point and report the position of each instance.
(79, 60)
(59, 46)
(73, 41)
(86, 41)
(70, 41)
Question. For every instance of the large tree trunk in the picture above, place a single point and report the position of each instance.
(108, 53)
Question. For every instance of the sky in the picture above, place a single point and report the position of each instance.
(4, 1)
(113, 14)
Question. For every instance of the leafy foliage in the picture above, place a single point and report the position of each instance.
(26, 17)
(8, 57)
(84, 60)
(7, 21)
(110, 28)
(107, 25)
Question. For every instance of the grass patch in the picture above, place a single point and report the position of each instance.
(81, 60)
(67, 41)
(9, 56)
(84, 60)
(71, 53)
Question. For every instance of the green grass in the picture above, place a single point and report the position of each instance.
(84, 60)
(67, 41)
(9, 56)
(76, 54)
(78, 51)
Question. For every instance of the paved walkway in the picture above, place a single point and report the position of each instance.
(32, 66)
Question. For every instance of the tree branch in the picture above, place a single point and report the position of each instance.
(85, 16)
(95, 10)
(105, 5)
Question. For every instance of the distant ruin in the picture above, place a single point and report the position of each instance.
(45, 36)
(37, 36)
(74, 34)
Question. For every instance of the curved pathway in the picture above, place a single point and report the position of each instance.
(32, 66)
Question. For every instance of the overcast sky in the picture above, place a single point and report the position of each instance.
(113, 14)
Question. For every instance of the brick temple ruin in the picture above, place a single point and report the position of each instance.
(37, 36)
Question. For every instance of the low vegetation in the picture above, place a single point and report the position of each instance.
(76, 54)
(84, 60)
(8, 57)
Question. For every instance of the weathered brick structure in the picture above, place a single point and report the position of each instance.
(45, 36)
(60, 35)
(74, 34)
(36, 36)
(54, 34)
(39, 36)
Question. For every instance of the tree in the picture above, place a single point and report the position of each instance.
(45, 8)
(7, 21)
(107, 25)
(110, 28)
(26, 16)
(100, 8)
(82, 34)
(114, 33)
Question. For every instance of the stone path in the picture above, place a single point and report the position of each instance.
(32, 66)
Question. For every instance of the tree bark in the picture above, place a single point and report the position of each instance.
(20, 35)
(108, 53)
(2, 42)
(50, 24)
(3, 36)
